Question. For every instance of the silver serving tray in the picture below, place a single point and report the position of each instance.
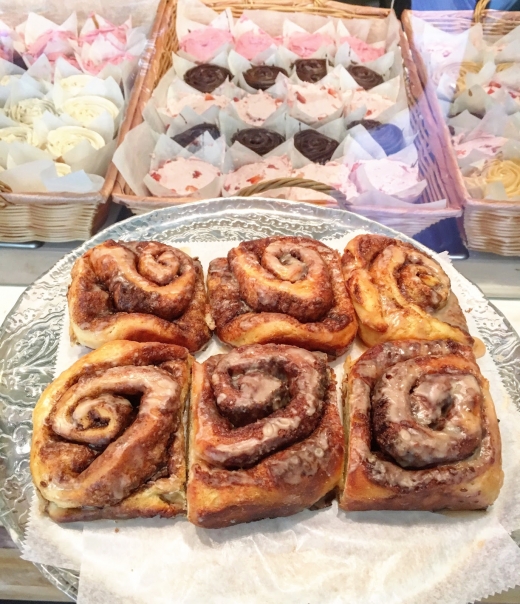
(30, 334)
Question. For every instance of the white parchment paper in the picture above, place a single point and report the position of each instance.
(312, 557)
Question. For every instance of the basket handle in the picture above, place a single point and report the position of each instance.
(303, 183)
(478, 13)
(4, 189)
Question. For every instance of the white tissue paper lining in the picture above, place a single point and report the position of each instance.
(314, 557)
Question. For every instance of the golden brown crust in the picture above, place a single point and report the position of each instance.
(108, 434)
(140, 291)
(223, 489)
(445, 401)
(399, 292)
(282, 290)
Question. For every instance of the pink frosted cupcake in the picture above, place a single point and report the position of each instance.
(251, 174)
(255, 108)
(203, 44)
(365, 52)
(185, 176)
(305, 45)
(317, 102)
(251, 44)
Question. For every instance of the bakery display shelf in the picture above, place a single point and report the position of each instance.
(61, 217)
(409, 220)
(490, 225)
(31, 332)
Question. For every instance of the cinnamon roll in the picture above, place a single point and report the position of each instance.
(265, 435)
(422, 430)
(207, 77)
(138, 290)
(399, 292)
(108, 434)
(283, 290)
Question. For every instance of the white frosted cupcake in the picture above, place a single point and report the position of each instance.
(18, 134)
(29, 110)
(62, 169)
(255, 108)
(198, 102)
(84, 109)
(73, 84)
(64, 139)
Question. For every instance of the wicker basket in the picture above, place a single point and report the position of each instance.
(408, 220)
(57, 217)
(490, 226)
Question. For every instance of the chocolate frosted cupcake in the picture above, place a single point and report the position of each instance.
(206, 77)
(188, 136)
(259, 140)
(262, 77)
(311, 70)
(315, 146)
(365, 77)
(387, 136)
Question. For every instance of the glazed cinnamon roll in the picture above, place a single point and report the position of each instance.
(399, 292)
(422, 430)
(283, 290)
(108, 434)
(138, 290)
(265, 435)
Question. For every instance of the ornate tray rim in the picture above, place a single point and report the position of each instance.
(500, 338)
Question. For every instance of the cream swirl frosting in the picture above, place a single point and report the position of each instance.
(65, 138)
(84, 109)
(18, 134)
(73, 84)
(27, 111)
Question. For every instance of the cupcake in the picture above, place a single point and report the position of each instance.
(505, 171)
(185, 176)
(305, 45)
(206, 77)
(76, 83)
(393, 178)
(365, 77)
(28, 110)
(364, 52)
(189, 136)
(316, 102)
(375, 104)
(259, 140)
(65, 138)
(387, 136)
(18, 134)
(489, 145)
(311, 70)
(251, 174)
(262, 77)
(202, 44)
(315, 146)
(334, 174)
(254, 109)
(250, 44)
(84, 109)
(198, 102)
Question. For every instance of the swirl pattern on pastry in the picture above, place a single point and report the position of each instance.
(266, 438)
(108, 438)
(399, 292)
(311, 70)
(206, 77)
(262, 77)
(505, 171)
(285, 290)
(259, 140)
(423, 431)
(186, 138)
(315, 146)
(365, 77)
(142, 291)
(387, 136)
